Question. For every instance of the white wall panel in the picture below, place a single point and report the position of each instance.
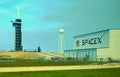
(93, 40)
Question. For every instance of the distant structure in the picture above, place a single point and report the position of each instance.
(18, 33)
(60, 41)
(39, 49)
(103, 46)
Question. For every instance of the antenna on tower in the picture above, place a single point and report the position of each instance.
(18, 12)
(18, 33)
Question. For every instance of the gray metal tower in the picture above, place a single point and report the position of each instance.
(18, 33)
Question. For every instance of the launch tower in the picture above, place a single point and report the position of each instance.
(18, 33)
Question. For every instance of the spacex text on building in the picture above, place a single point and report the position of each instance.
(92, 41)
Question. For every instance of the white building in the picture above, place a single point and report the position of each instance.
(101, 45)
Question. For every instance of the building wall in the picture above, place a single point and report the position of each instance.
(81, 54)
(114, 46)
(109, 47)
(92, 40)
(70, 54)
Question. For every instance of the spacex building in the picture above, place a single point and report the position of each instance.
(97, 46)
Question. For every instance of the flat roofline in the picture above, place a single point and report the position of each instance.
(79, 49)
(95, 32)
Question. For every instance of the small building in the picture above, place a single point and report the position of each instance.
(97, 46)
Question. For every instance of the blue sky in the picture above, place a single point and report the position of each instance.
(41, 20)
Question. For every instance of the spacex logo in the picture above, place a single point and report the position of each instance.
(89, 41)
(92, 41)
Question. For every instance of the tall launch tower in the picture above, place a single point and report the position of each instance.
(18, 33)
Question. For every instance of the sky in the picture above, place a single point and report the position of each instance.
(42, 19)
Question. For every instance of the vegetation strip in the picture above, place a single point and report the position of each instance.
(111, 72)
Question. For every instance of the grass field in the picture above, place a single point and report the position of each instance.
(28, 62)
(114, 72)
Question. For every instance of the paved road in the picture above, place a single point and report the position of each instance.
(50, 68)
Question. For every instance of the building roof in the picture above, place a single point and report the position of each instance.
(95, 32)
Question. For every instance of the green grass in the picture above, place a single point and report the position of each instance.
(114, 72)
(24, 62)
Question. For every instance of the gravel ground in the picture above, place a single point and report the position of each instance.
(50, 68)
